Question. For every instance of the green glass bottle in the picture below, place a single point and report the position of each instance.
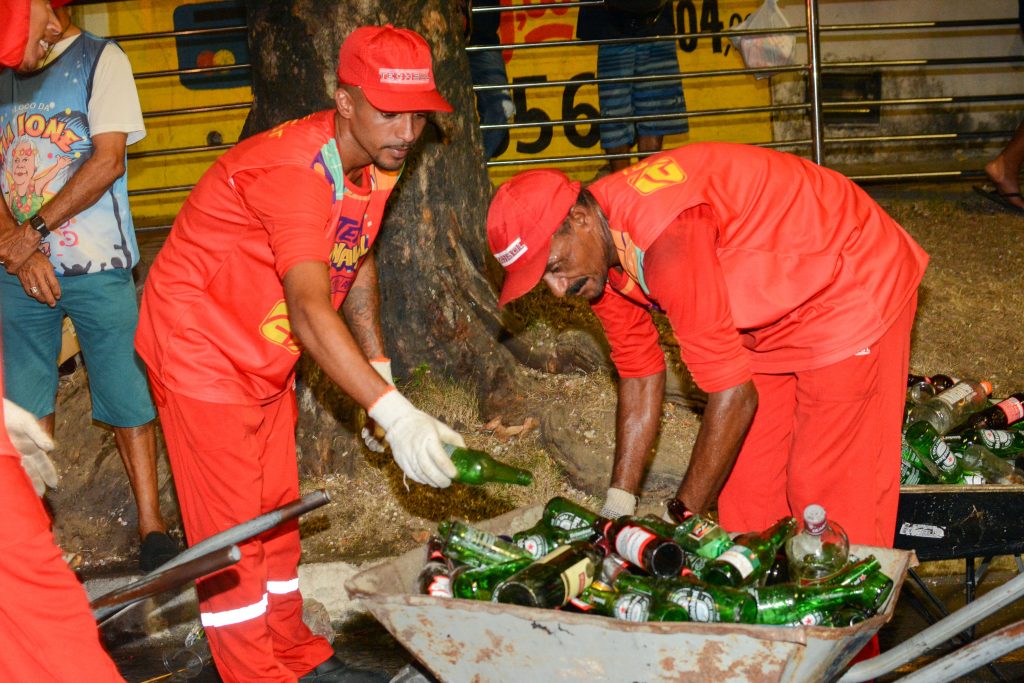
(552, 580)
(695, 534)
(913, 470)
(702, 602)
(637, 543)
(477, 583)
(877, 587)
(698, 534)
(600, 598)
(435, 577)
(578, 521)
(1003, 442)
(540, 539)
(856, 571)
(787, 604)
(476, 547)
(476, 467)
(750, 556)
(926, 443)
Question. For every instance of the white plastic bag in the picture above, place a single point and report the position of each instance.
(765, 50)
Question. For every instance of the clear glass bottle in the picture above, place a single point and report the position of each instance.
(819, 550)
(991, 467)
(949, 408)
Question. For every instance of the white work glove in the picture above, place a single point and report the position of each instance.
(33, 443)
(416, 439)
(372, 436)
(618, 503)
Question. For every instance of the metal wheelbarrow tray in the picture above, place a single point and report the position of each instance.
(466, 640)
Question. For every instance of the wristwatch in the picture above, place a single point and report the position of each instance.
(39, 225)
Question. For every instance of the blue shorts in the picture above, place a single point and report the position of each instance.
(639, 98)
(104, 310)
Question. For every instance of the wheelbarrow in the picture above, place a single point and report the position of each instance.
(465, 640)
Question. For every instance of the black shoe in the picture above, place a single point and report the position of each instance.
(157, 548)
(336, 671)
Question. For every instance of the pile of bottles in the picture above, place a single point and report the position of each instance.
(954, 434)
(642, 569)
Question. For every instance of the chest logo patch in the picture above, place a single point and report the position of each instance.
(655, 175)
(277, 328)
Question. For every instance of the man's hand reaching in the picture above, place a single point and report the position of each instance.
(417, 440)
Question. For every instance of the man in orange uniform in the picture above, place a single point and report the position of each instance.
(791, 294)
(275, 237)
(47, 630)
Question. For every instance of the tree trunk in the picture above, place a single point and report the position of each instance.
(437, 278)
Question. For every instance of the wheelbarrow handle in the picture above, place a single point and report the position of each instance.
(229, 538)
(254, 527)
(162, 580)
(941, 631)
(968, 658)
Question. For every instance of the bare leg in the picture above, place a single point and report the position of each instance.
(1004, 170)
(137, 448)
(619, 164)
(649, 143)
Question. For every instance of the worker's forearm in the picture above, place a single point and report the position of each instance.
(362, 310)
(637, 420)
(727, 419)
(329, 342)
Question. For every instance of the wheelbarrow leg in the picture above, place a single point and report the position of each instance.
(948, 628)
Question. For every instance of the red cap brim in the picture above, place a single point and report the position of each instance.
(416, 100)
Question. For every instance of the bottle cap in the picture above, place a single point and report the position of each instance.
(814, 519)
(987, 386)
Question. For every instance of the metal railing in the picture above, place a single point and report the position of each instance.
(815, 106)
(814, 143)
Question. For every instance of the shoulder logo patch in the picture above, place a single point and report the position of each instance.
(656, 174)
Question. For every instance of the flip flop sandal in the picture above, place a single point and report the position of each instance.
(1001, 198)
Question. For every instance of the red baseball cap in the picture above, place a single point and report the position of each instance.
(57, 4)
(525, 212)
(393, 68)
